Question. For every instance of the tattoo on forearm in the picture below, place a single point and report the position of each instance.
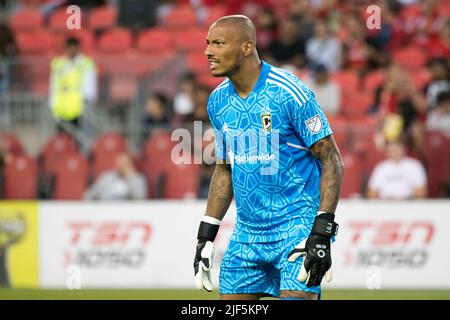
(220, 192)
(332, 173)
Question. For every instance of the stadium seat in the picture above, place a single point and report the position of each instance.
(209, 80)
(198, 63)
(356, 103)
(11, 144)
(352, 182)
(104, 152)
(37, 42)
(102, 18)
(123, 88)
(410, 57)
(71, 177)
(181, 17)
(155, 40)
(58, 20)
(437, 150)
(213, 13)
(157, 157)
(187, 187)
(373, 80)
(26, 20)
(116, 41)
(347, 80)
(57, 146)
(191, 40)
(20, 179)
(339, 125)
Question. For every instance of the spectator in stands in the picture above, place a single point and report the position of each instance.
(183, 104)
(400, 97)
(439, 117)
(323, 48)
(356, 51)
(7, 51)
(439, 47)
(201, 96)
(157, 111)
(122, 183)
(73, 85)
(398, 177)
(440, 81)
(137, 14)
(301, 12)
(288, 50)
(326, 90)
(267, 29)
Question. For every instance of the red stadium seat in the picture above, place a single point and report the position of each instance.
(11, 144)
(104, 17)
(356, 103)
(187, 187)
(155, 40)
(58, 20)
(20, 178)
(157, 157)
(117, 41)
(198, 63)
(410, 57)
(26, 20)
(374, 80)
(180, 18)
(71, 177)
(57, 147)
(37, 42)
(437, 148)
(209, 80)
(214, 13)
(104, 152)
(347, 80)
(352, 182)
(123, 88)
(191, 40)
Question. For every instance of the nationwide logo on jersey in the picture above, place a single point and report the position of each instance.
(314, 124)
(266, 122)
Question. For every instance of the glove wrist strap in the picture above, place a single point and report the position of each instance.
(324, 225)
(208, 229)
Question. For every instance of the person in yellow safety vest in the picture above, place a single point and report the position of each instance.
(73, 83)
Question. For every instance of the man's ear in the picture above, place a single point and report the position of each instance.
(247, 48)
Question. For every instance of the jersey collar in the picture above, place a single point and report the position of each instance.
(265, 68)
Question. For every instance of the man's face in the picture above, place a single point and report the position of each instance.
(72, 50)
(224, 50)
(395, 151)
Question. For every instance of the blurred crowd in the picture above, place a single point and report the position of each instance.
(392, 78)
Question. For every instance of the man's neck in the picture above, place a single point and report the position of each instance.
(245, 80)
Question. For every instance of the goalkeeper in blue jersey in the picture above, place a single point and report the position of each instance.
(275, 153)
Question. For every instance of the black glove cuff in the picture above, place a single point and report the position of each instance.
(324, 225)
(207, 231)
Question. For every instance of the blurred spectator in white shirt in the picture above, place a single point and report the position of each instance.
(122, 183)
(326, 90)
(398, 177)
(323, 48)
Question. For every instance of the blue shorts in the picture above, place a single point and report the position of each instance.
(261, 268)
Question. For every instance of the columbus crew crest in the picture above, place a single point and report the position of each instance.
(266, 120)
(314, 124)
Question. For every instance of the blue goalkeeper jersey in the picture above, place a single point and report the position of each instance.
(266, 139)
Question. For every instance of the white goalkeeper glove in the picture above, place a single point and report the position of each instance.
(316, 250)
(204, 255)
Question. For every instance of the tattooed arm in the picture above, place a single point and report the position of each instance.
(332, 172)
(220, 192)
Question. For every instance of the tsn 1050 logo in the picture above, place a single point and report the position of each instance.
(389, 244)
(107, 244)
